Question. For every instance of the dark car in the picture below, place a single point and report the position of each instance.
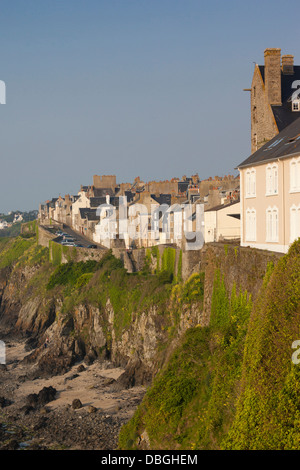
(92, 246)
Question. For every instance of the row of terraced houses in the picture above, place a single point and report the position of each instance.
(260, 207)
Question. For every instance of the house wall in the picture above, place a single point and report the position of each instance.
(261, 202)
(82, 202)
(210, 226)
(219, 225)
(263, 125)
(228, 227)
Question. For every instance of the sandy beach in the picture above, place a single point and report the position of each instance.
(104, 408)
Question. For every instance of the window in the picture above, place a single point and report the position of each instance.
(272, 224)
(250, 225)
(295, 175)
(251, 183)
(296, 105)
(294, 223)
(272, 179)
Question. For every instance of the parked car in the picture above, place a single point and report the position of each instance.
(92, 246)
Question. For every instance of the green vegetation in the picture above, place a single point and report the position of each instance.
(55, 251)
(268, 409)
(14, 249)
(69, 273)
(190, 404)
(228, 385)
(232, 384)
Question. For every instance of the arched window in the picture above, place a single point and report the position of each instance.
(272, 179)
(250, 225)
(272, 224)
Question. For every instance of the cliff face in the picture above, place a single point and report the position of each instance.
(149, 323)
(93, 309)
(96, 309)
(231, 385)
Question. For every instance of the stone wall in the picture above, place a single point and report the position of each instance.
(45, 236)
(64, 254)
(263, 125)
(240, 266)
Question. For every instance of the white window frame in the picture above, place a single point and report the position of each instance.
(296, 106)
(295, 175)
(251, 183)
(272, 179)
(250, 225)
(272, 224)
(294, 222)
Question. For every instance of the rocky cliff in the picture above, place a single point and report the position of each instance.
(96, 309)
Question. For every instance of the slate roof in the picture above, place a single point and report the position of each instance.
(222, 206)
(86, 212)
(97, 201)
(92, 215)
(284, 144)
(162, 198)
(183, 186)
(283, 114)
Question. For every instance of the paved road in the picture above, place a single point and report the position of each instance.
(81, 239)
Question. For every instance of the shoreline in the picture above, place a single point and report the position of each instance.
(95, 425)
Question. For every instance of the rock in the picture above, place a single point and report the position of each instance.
(135, 374)
(27, 409)
(44, 396)
(11, 445)
(108, 381)
(71, 377)
(76, 404)
(3, 368)
(91, 409)
(116, 409)
(81, 368)
(22, 378)
(4, 402)
(31, 344)
(90, 357)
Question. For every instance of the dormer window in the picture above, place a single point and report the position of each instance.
(296, 105)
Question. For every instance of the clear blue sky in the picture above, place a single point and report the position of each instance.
(149, 88)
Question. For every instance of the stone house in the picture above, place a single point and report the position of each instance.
(82, 202)
(274, 99)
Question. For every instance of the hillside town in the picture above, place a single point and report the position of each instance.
(260, 207)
